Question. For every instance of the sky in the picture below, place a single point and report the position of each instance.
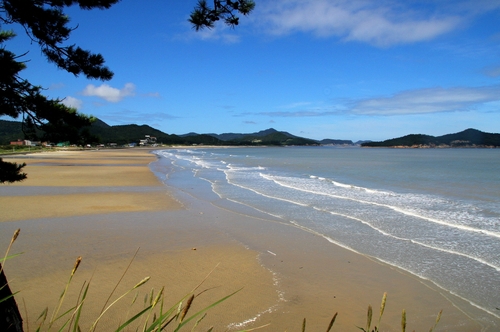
(339, 69)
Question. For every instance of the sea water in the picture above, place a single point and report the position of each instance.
(432, 212)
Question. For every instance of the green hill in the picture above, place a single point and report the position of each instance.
(238, 136)
(272, 137)
(466, 138)
(10, 131)
(103, 133)
(264, 137)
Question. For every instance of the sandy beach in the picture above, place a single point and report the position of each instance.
(107, 205)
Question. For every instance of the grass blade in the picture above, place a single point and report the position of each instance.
(43, 317)
(186, 308)
(138, 315)
(10, 257)
(79, 310)
(205, 309)
(61, 298)
(160, 321)
(369, 318)
(438, 318)
(382, 308)
(8, 297)
(403, 321)
(332, 322)
(139, 284)
(12, 240)
(153, 305)
(198, 322)
(61, 316)
(119, 281)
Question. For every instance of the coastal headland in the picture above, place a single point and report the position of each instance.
(107, 205)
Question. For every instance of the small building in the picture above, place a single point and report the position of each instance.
(148, 140)
(21, 142)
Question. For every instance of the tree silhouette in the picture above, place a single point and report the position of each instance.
(205, 16)
(46, 24)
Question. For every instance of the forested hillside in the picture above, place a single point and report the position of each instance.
(466, 138)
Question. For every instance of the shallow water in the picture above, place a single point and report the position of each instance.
(432, 212)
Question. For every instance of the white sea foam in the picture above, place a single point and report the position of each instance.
(264, 195)
(348, 186)
(282, 182)
(450, 240)
(331, 240)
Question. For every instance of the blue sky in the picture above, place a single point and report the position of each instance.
(342, 69)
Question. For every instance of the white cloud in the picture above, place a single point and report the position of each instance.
(220, 32)
(297, 104)
(492, 71)
(152, 95)
(474, 7)
(421, 101)
(381, 23)
(126, 116)
(72, 102)
(216, 34)
(299, 114)
(431, 100)
(56, 86)
(109, 93)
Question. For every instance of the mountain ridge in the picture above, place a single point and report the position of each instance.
(133, 134)
(466, 138)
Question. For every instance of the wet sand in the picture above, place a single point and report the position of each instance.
(104, 205)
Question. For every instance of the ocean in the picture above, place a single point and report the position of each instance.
(434, 213)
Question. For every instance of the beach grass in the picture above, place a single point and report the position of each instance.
(155, 316)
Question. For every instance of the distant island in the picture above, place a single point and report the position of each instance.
(131, 135)
(469, 138)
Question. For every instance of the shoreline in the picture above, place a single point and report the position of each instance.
(288, 274)
(317, 278)
(176, 250)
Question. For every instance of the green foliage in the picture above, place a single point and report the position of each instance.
(205, 16)
(45, 24)
(10, 131)
(11, 172)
